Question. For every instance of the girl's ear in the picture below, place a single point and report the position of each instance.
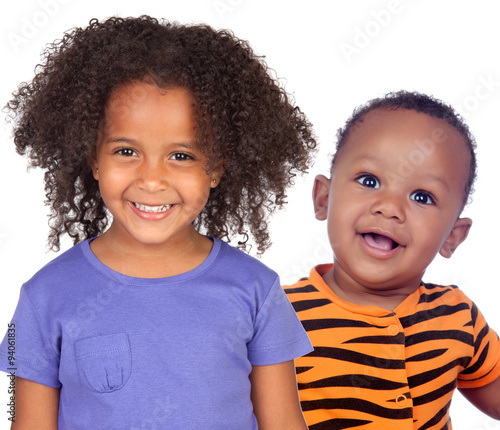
(321, 189)
(216, 175)
(456, 237)
(93, 165)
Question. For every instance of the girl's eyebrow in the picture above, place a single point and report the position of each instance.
(187, 145)
(119, 140)
(122, 140)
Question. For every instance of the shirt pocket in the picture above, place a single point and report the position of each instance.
(104, 362)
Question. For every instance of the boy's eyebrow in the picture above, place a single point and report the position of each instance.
(365, 157)
(429, 176)
(435, 178)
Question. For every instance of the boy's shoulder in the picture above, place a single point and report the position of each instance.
(429, 291)
(311, 290)
(309, 282)
(444, 294)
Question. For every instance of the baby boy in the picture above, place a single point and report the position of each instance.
(389, 349)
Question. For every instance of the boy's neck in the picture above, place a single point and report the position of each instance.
(353, 292)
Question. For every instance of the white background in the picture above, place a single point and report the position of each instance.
(332, 56)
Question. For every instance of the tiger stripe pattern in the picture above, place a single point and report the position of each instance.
(376, 369)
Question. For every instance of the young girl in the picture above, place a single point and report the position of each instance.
(162, 130)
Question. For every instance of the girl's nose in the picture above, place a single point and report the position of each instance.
(153, 177)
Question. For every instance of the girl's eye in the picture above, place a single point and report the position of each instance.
(422, 197)
(368, 181)
(181, 156)
(126, 152)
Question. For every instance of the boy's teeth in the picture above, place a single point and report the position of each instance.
(145, 208)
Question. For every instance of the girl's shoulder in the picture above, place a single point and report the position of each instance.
(241, 261)
(58, 272)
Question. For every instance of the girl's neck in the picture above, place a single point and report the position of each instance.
(150, 261)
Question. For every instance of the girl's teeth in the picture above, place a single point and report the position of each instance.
(145, 208)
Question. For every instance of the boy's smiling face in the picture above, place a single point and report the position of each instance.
(392, 203)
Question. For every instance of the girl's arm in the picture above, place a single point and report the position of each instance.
(486, 399)
(275, 399)
(37, 406)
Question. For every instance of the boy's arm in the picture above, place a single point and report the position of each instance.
(486, 398)
(37, 406)
(275, 399)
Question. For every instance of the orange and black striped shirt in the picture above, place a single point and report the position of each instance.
(376, 369)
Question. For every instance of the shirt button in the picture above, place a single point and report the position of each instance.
(401, 400)
(393, 330)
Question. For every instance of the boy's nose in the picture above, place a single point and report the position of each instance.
(389, 206)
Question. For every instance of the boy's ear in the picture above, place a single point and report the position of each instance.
(321, 189)
(457, 236)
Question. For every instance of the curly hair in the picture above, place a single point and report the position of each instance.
(244, 117)
(420, 103)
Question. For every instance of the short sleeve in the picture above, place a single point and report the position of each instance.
(278, 333)
(25, 350)
(484, 366)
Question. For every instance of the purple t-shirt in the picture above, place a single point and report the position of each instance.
(132, 353)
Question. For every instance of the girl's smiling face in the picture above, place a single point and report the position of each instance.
(393, 202)
(152, 174)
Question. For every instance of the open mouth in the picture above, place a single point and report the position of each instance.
(152, 209)
(379, 241)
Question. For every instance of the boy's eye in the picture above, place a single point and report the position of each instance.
(368, 181)
(422, 197)
(126, 152)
